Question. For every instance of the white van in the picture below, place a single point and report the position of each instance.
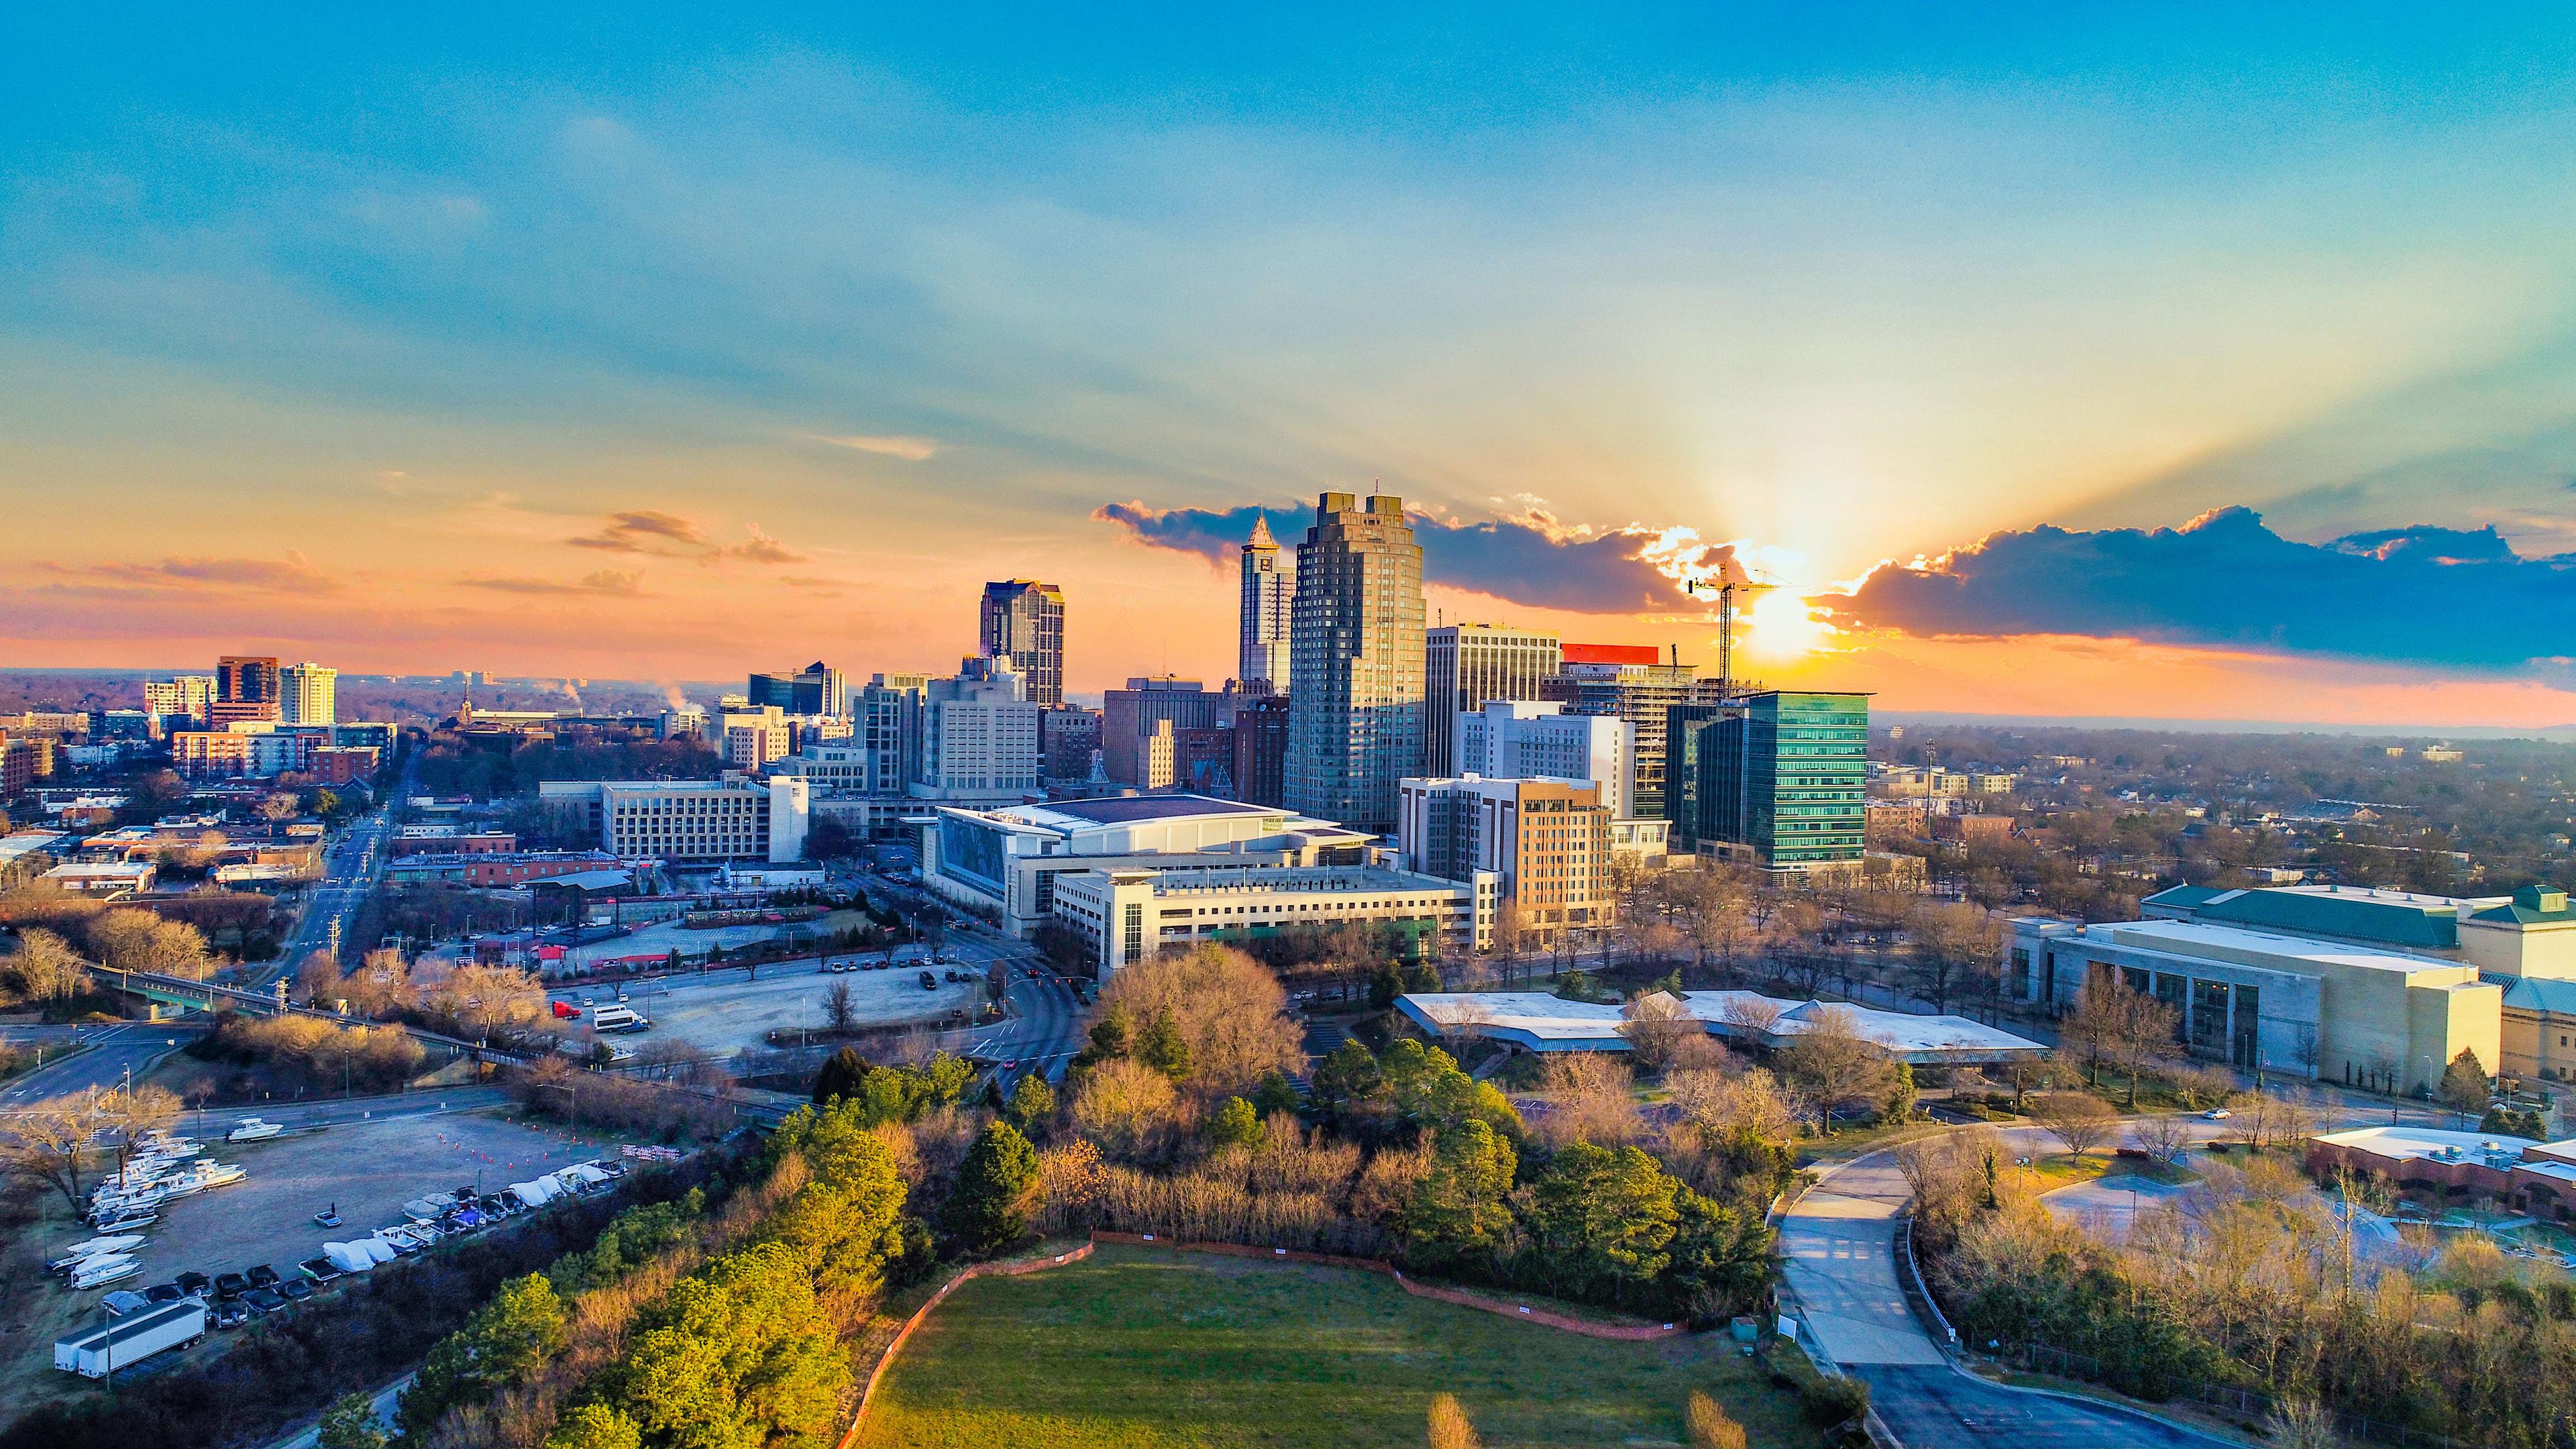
(618, 1018)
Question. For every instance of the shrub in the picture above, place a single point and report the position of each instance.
(1835, 1401)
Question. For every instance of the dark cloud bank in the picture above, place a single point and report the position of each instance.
(2419, 595)
(1515, 559)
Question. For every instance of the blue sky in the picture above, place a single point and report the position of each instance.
(912, 297)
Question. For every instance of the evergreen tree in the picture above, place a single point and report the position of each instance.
(1425, 976)
(1275, 1095)
(842, 1073)
(1346, 1077)
(1386, 983)
(1235, 1124)
(1109, 1038)
(988, 1210)
(1160, 1046)
(1032, 1104)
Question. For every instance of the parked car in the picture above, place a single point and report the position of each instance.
(929, 982)
(193, 1284)
(295, 1290)
(229, 1286)
(262, 1276)
(230, 1314)
(262, 1302)
(164, 1293)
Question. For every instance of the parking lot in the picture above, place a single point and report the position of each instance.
(722, 1012)
(369, 1168)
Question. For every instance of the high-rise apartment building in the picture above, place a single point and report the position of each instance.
(817, 689)
(1261, 750)
(1355, 700)
(1630, 682)
(979, 736)
(308, 694)
(1269, 592)
(188, 697)
(890, 728)
(1023, 620)
(1524, 739)
(1069, 736)
(1778, 776)
(246, 688)
(1548, 842)
(1465, 665)
(1130, 717)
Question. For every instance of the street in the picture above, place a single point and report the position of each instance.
(351, 867)
(1839, 1242)
(114, 1050)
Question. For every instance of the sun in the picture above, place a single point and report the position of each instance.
(1781, 626)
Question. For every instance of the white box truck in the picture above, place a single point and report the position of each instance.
(131, 1339)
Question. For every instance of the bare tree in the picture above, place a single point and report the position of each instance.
(135, 1111)
(47, 967)
(2126, 1027)
(840, 1006)
(1953, 941)
(2080, 1120)
(1655, 1025)
(1835, 1064)
(2164, 1138)
(43, 1146)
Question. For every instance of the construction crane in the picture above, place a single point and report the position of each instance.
(1726, 591)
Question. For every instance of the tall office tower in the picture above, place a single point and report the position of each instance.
(308, 694)
(1633, 683)
(979, 736)
(1023, 620)
(246, 688)
(1464, 665)
(1355, 705)
(1269, 591)
(1778, 776)
(1130, 716)
(817, 689)
(189, 697)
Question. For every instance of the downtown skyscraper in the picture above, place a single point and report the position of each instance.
(1269, 594)
(1356, 712)
(1023, 620)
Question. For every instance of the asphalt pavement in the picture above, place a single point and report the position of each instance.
(113, 1051)
(1840, 1245)
(351, 867)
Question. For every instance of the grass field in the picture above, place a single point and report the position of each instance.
(1158, 1350)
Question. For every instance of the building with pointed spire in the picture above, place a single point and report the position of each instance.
(1269, 592)
(1356, 711)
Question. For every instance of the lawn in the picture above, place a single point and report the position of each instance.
(1138, 1347)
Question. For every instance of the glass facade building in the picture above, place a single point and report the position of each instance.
(1777, 773)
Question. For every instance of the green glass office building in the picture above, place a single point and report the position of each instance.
(1776, 774)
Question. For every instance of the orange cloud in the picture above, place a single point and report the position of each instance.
(642, 530)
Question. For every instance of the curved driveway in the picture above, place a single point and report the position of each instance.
(1840, 1240)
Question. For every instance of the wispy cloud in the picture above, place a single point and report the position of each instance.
(643, 530)
(911, 450)
(605, 582)
(294, 573)
(761, 549)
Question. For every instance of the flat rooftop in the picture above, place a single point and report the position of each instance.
(1896, 1030)
(1532, 1018)
(2180, 936)
(1291, 879)
(1127, 809)
(2430, 1143)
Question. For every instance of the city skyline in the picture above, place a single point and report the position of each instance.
(2198, 366)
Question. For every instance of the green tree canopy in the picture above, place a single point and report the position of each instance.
(988, 1210)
